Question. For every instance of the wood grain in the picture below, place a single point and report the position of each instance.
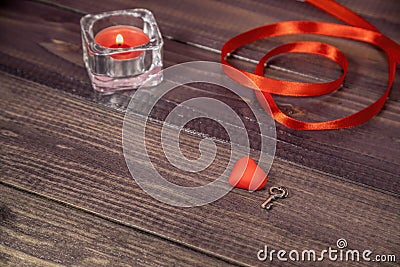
(62, 143)
(69, 149)
(200, 23)
(54, 59)
(35, 231)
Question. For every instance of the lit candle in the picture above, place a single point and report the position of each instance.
(122, 49)
(122, 36)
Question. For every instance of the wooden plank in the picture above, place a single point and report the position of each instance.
(201, 23)
(69, 149)
(35, 231)
(54, 59)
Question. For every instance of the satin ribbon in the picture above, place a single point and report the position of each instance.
(359, 30)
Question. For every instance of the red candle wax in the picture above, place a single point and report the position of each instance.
(122, 36)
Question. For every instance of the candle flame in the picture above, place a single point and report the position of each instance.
(119, 39)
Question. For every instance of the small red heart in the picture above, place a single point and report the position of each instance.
(246, 174)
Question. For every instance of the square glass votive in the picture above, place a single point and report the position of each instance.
(122, 49)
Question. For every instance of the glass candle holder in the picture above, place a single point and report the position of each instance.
(122, 49)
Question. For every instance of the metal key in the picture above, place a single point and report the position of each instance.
(275, 192)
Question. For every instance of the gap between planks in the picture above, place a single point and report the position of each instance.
(200, 46)
(122, 223)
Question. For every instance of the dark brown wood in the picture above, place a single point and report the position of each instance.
(69, 149)
(35, 231)
(185, 21)
(54, 59)
(62, 141)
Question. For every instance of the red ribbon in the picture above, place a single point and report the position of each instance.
(359, 30)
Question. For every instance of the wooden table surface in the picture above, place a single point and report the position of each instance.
(67, 197)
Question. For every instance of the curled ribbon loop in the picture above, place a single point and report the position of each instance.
(360, 31)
